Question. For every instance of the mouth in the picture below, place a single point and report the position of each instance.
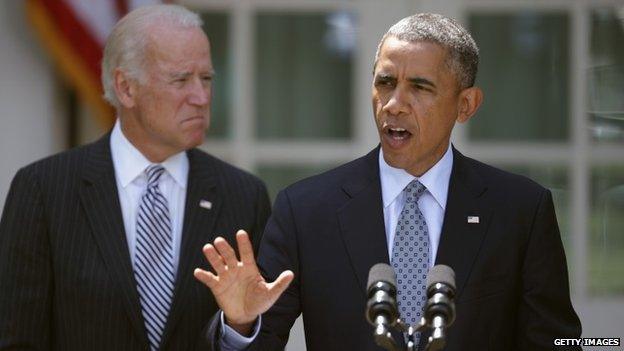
(395, 136)
(194, 119)
(398, 133)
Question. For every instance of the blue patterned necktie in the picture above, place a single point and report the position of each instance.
(153, 258)
(410, 256)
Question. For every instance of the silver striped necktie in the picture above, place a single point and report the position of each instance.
(410, 256)
(153, 258)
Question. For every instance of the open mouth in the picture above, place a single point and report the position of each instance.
(395, 137)
(398, 133)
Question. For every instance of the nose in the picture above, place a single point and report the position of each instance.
(397, 104)
(200, 93)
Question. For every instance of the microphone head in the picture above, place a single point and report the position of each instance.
(381, 291)
(441, 274)
(440, 294)
(381, 272)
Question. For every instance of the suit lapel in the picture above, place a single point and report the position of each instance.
(197, 230)
(361, 219)
(461, 240)
(363, 231)
(100, 199)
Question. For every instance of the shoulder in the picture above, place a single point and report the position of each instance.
(62, 165)
(227, 175)
(498, 178)
(336, 182)
(504, 188)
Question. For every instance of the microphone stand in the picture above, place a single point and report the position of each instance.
(435, 342)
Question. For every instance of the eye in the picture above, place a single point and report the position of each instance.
(422, 88)
(384, 82)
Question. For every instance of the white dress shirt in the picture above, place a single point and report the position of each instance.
(130, 164)
(432, 204)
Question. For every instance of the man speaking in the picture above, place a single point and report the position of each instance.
(412, 202)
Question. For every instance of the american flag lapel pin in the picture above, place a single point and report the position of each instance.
(205, 204)
(473, 219)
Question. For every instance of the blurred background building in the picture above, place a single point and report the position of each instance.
(292, 98)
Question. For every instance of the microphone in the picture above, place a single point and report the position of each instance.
(381, 307)
(440, 308)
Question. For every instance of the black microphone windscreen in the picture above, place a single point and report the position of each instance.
(441, 274)
(381, 272)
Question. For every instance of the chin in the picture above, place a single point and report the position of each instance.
(196, 142)
(198, 134)
(394, 160)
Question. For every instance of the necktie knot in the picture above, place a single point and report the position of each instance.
(413, 191)
(153, 173)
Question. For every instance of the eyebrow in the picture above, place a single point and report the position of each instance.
(178, 75)
(385, 78)
(414, 81)
(186, 74)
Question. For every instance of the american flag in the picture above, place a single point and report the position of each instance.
(74, 32)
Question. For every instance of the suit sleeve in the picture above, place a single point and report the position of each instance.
(545, 310)
(278, 252)
(25, 261)
(209, 338)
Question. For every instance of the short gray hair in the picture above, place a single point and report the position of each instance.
(126, 45)
(463, 53)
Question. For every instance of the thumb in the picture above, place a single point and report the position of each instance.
(280, 284)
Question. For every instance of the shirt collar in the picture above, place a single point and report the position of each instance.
(130, 163)
(436, 179)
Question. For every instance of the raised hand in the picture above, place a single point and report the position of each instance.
(238, 287)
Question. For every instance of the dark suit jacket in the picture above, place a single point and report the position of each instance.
(511, 275)
(66, 279)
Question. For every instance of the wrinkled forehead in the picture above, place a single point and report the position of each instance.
(169, 38)
(400, 55)
(178, 46)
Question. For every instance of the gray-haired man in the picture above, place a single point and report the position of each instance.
(412, 202)
(98, 244)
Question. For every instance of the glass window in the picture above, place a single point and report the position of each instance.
(303, 75)
(606, 76)
(606, 241)
(556, 179)
(277, 177)
(524, 75)
(216, 27)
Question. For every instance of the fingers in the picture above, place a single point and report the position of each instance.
(215, 260)
(223, 260)
(227, 252)
(244, 248)
(209, 279)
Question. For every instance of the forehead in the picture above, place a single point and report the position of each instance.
(178, 47)
(400, 56)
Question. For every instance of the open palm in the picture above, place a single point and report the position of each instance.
(238, 287)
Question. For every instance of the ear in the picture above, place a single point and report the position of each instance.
(469, 101)
(125, 88)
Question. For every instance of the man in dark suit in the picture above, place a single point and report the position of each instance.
(98, 244)
(413, 202)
